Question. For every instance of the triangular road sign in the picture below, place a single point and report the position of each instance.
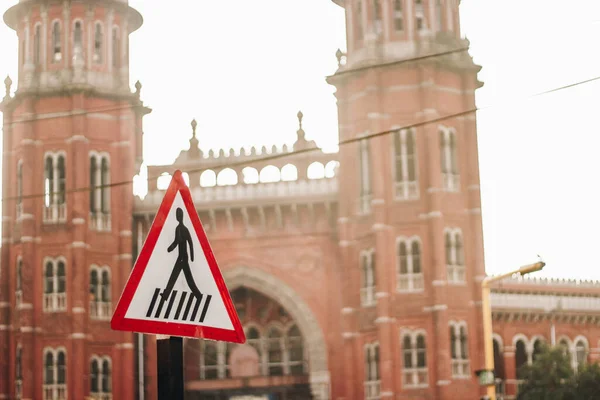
(176, 287)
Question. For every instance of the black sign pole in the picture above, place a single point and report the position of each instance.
(169, 351)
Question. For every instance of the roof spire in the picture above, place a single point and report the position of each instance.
(194, 125)
(194, 151)
(7, 84)
(300, 131)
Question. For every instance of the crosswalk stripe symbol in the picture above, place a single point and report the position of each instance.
(175, 287)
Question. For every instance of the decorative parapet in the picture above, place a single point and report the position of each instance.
(550, 282)
(544, 302)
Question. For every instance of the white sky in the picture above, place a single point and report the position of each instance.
(243, 70)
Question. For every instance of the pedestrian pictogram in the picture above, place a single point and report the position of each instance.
(176, 287)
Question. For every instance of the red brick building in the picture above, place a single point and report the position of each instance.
(356, 275)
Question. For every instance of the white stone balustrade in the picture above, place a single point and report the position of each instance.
(251, 193)
(544, 302)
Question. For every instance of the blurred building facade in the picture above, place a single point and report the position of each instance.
(356, 275)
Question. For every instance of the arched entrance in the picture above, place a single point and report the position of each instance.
(299, 311)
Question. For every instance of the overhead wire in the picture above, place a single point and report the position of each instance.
(275, 156)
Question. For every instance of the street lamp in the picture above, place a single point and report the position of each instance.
(487, 316)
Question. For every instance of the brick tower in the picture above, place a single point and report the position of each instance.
(73, 123)
(410, 220)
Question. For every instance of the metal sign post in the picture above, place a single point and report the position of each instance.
(169, 367)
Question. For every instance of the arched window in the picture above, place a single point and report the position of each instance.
(54, 188)
(295, 350)
(275, 345)
(78, 36)
(106, 377)
(449, 160)
(405, 172)
(538, 345)
(37, 46)
(581, 353)
(208, 178)
(520, 358)
(105, 181)
(55, 374)
(269, 174)
(368, 278)
(100, 192)
(364, 165)
(100, 293)
(315, 170)
(227, 177)
(116, 47)
(55, 296)
(163, 181)
(398, 17)
(19, 188)
(289, 172)
(454, 256)
(498, 360)
(414, 350)
(250, 175)
(94, 377)
(410, 274)
(459, 350)
(56, 42)
(98, 44)
(19, 372)
(372, 377)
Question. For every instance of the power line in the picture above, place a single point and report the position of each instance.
(271, 157)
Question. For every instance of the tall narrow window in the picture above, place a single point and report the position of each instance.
(455, 263)
(499, 368)
(98, 44)
(275, 352)
(19, 282)
(115, 47)
(372, 378)
(56, 42)
(104, 181)
(398, 16)
(78, 36)
(19, 188)
(449, 160)
(55, 288)
(93, 184)
(459, 351)
(100, 192)
(581, 353)
(419, 15)
(414, 350)
(19, 373)
(55, 374)
(410, 274)
(209, 363)
(406, 185)
(49, 181)
(295, 350)
(37, 44)
(61, 195)
(54, 188)
(106, 379)
(94, 375)
(368, 278)
(365, 176)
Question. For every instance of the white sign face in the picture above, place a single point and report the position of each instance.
(177, 284)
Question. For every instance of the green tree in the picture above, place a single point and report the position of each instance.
(587, 382)
(549, 377)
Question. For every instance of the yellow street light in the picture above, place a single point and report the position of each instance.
(487, 316)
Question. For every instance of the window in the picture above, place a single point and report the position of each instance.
(368, 278)
(19, 372)
(410, 273)
(19, 282)
(100, 218)
(55, 296)
(398, 17)
(377, 20)
(372, 379)
(101, 378)
(37, 47)
(115, 47)
(100, 296)
(295, 349)
(19, 189)
(55, 374)
(419, 15)
(276, 348)
(499, 367)
(459, 350)
(365, 177)
(405, 162)
(414, 354)
(520, 357)
(359, 21)
(214, 358)
(78, 36)
(54, 188)
(581, 353)
(56, 44)
(455, 263)
(449, 161)
(98, 41)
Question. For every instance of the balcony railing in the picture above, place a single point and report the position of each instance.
(367, 296)
(364, 203)
(544, 302)
(100, 221)
(55, 392)
(100, 310)
(414, 378)
(451, 182)
(456, 273)
(460, 369)
(407, 190)
(101, 396)
(54, 302)
(410, 282)
(373, 390)
(55, 213)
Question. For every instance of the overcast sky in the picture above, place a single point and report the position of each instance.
(243, 70)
